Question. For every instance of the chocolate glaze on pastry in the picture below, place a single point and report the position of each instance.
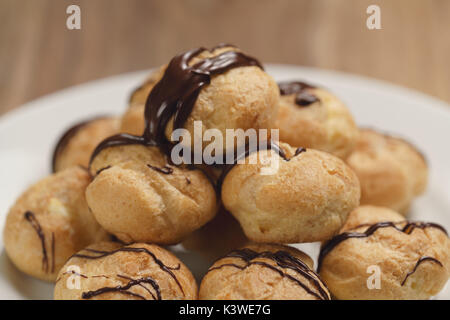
(98, 254)
(303, 97)
(31, 218)
(65, 138)
(408, 228)
(248, 150)
(175, 94)
(284, 260)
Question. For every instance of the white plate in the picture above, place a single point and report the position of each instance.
(28, 134)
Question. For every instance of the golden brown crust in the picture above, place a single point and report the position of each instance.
(270, 276)
(325, 125)
(391, 171)
(306, 200)
(142, 271)
(59, 210)
(79, 148)
(137, 196)
(139, 95)
(395, 253)
(241, 98)
(133, 120)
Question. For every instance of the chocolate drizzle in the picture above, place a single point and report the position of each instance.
(248, 150)
(98, 254)
(102, 169)
(283, 260)
(31, 218)
(408, 228)
(124, 289)
(421, 260)
(165, 170)
(174, 96)
(120, 139)
(303, 97)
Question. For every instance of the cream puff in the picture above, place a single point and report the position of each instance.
(380, 255)
(109, 271)
(263, 272)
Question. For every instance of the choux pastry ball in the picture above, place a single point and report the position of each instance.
(109, 271)
(139, 197)
(312, 117)
(263, 272)
(380, 255)
(392, 172)
(49, 222)
(306, 199)
(77, 144)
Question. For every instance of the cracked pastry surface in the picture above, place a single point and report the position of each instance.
(307, 199)
(137, 196)
(263, 272)
(76, 144)
(110, 271)
(413, 257)
(391, 171)
(312, 117)
(49, 222)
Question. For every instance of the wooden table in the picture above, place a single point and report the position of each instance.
(39, 55)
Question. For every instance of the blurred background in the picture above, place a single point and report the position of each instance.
(39, 55)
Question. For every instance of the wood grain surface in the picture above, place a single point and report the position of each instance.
(39, 55)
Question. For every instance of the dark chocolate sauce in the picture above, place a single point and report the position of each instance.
(31, 218)
(98, 254)
(408, 228)
(283, 260)
(303, 97)
(102, 169)
(174, 96)
(67, 136)
(165, 170)
(124, 289)
(74, 273)
(154, 284)
(120, 139)
(421, 260)
(299, 150)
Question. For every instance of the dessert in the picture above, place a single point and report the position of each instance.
(109, 271)
(312, 117)
(413, 258)
(306, 200)
(263, 272)
(221, 87)
(124, 186)
(49, 222)
(392, 172)
(75, 146)
(138, 196)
